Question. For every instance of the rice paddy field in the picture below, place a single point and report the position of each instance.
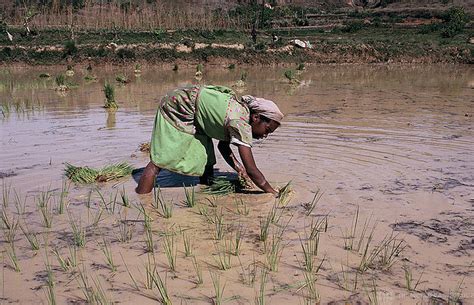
(380, 210)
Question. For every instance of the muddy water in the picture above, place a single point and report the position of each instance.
(395, 141)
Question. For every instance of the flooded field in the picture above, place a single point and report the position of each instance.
(389, 150)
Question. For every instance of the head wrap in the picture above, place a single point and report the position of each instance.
(264, 107)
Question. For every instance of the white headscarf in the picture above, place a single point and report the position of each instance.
(264, 107)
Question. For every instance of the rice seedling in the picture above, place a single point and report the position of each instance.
(11, 253)
(310, 206)
(372, 293)
(109, 92)
(391, 248)
(218, 288)
(89, 199)
(61, 83)
(219, 225)
(199, 69)
(135, 284)
(5, 110)
(311, 295)
(198, 271)
(308, 254)
(122, 79)
(46, 211)
(87, 175)
(138, 69)
(109, 259)
(249, 273)
(63, 197)
(236, 242)
(410, 286)
(260, 298)
(150, 268)
(321, 225)
(300, 67)
(149, 243)
(284, 194)
(291, 76)
(275, 252)
(188, 245)
(224, 257)
(10, 226)
(30, 237)
(64, 263)
(90, 78)
(124, 197)
(103, 204)
(275, 214)
(162, 289)
(241, 207)
(78, 231)
(44, 198)
(190, 197)
(6, 189)
(93, 294)
(264, 226)
(169, 246)
(349, 236)
(454, 296)
(50, 294)
(125, 230)
(97, 217)
(165, 208)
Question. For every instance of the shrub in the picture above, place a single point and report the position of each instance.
(455, 20)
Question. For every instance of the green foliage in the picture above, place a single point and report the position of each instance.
(109, 92)
(70, 48)
(125, 54)
(353, 26)
(455, 21)
(60, 80)
(87, 175)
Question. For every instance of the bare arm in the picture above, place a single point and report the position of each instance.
(254, 173)
(229, 157)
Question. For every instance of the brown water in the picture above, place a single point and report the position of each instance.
(396, 141)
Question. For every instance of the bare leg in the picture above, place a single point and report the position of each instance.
(208, 175)
(147, 180)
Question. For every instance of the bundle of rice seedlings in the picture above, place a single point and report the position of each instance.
(222, 186)
(87, 175)
(285, 193)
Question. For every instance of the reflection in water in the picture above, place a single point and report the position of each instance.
(110, 119)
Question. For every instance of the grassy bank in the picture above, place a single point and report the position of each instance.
(417, 35)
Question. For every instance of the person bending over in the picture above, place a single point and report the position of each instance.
(189, 118)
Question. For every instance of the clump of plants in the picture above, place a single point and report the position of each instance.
(88, 175)
(69, 71)
(290, 75)
(138, 69)
(455, 21)
(61, 83)
(109, 92)
(242, 80)
(122, 79)
(198, 73)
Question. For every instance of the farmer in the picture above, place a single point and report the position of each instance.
(190, 117)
